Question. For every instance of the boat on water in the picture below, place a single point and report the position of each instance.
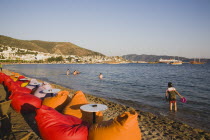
(168, 61)
(196, 62)
(176, 63)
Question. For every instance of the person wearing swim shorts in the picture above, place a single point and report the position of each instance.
(171, 96)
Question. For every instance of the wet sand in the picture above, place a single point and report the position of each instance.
(152, 126)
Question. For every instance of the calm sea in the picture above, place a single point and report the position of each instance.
(141, 86)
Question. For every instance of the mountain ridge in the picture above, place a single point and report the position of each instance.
(155, 58)
(61, 48)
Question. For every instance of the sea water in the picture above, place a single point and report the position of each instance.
(141, 86)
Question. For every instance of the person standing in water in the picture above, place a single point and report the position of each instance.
(171, 96)
(100, 76)
(1, 66)
(68, 72)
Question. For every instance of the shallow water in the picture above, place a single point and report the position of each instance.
(138, 85)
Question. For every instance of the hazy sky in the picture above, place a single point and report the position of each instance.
(113, 27)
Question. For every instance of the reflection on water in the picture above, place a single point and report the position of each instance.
(139, 85)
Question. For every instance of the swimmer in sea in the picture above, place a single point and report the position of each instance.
(100, 76)
(68, 72)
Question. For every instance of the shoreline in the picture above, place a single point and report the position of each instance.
(151, 126)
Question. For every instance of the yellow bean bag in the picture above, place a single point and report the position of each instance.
(57, 102)
(73, 108)
(123, 127)
(24, 84)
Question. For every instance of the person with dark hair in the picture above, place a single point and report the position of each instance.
(68, 72)
(171, 96)
(100, 76)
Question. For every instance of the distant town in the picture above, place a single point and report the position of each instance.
(17, 55)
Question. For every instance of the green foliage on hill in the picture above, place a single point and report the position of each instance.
(62, 48)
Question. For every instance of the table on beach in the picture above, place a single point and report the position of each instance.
(34, 84)
(52, 91)
(25, 79)
(93, 108)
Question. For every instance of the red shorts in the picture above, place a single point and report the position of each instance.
(172, 101)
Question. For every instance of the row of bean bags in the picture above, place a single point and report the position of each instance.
(21, 99)
(70, 126)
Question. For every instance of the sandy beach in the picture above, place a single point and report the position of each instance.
(151, 126)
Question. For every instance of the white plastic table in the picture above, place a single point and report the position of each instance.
(25, 79)
(34, 84)
(52, 91)
(93, 108)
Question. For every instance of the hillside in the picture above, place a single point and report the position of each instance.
(154, 58)
(61, 48)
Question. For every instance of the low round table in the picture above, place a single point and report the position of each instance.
(35, 84)
(25, 79)
(93, 108)
(52, 91)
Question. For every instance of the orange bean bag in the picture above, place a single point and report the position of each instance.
(57, 102)
(73, 108)
(56, 126)
(123, 127)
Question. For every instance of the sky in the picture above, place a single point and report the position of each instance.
(113, 27)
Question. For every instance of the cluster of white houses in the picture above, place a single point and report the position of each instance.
(12, 53)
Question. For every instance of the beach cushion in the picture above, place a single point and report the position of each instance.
(7, 81)
(56, 126)
(21, 89)
(25, 103)
(57, 102)
(123, 127)
(73, 108)
(2, 76)
(24, 84)
(13, 85)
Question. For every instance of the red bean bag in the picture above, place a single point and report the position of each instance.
(24, 102)
(22, 89)
(13, 85)
(7, 81)
(56, 126)
(2, 76)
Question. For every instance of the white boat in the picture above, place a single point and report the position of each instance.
(168, 61)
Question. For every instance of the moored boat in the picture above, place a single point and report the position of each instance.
(196, 62)
(176, 63)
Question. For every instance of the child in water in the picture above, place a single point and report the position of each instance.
(171, 96)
